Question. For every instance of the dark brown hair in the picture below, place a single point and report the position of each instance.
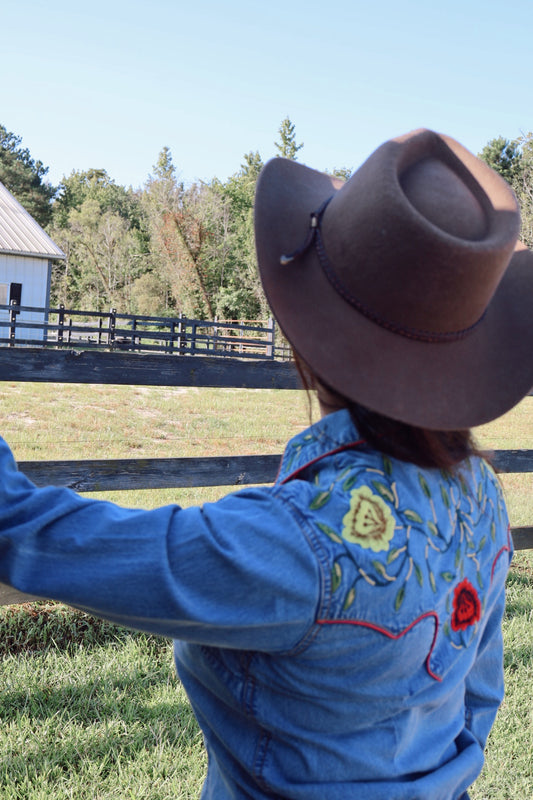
(427, 448)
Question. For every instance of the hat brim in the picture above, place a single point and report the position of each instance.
(440, 386)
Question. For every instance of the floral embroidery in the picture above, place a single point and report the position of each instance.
(466, 606)
(369, 521)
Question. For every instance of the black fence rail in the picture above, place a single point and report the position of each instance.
(68, 328)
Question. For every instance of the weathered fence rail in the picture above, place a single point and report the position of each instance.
(94, 330)
(80, 366)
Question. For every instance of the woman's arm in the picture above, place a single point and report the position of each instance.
(215, 575)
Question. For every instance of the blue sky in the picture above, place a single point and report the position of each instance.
(108, 84)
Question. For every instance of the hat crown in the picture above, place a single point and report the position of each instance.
(415, 238)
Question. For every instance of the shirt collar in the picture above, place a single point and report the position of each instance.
(333, 432)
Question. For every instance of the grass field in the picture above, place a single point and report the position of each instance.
(90, 710)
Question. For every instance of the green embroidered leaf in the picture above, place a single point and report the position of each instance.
(432, 581)
(349, 483)
(480, 492)
(378, 566)
(350, 597)
(419, 575)
(432, 528)
(457, 557)
(480, 580)
(446, 628)
(471, 545)
(399, 598)
(320, 500)
(445, 497)
(424, 485)
(482, 544)
(329, 532)
(412, 516)
(448, 576)
(493, 531)
(464, 487)
(336, 576)
(392, 554)
(383, 490)
(387, 466)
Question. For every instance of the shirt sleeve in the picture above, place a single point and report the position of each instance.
(236, 573)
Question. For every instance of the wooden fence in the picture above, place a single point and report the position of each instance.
(22, 326)
(86, 366)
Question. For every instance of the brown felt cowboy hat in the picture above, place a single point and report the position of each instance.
(404, 288)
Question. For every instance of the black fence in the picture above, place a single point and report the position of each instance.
(61, 327)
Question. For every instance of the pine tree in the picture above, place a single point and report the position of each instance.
(287, 147)
(24, 177)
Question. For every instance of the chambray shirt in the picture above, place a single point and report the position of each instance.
(338, 633)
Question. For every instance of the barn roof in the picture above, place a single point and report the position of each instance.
(20, 234)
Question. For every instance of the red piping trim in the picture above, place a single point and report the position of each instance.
(506, 547)
(391, 635)
(349, 446)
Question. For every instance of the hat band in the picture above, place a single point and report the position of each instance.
(314, 236)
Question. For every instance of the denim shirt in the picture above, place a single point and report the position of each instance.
(338, 633)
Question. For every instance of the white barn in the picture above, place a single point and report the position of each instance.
(26, 254)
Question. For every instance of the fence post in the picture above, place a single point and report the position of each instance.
(170, 346)
(181, 341)
(270, 338)
(111, 327)
(60, 323)
(12, 322)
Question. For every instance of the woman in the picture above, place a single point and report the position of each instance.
(339, 633)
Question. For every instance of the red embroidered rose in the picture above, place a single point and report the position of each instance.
(466, 606)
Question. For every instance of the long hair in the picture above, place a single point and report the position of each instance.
(426, 448)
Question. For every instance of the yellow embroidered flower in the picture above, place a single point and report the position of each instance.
(369, 521)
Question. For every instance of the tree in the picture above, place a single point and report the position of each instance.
(240, 294)
(98, 225)
(25, 177)
(287, 147)
(504, 157)
(178, 220)
(513, 160)
(523, 186)
(344, 173)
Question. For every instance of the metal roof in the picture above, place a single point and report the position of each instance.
(20, 234)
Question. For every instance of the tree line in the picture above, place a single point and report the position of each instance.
(170, 247)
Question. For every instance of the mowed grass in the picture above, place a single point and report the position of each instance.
(90, 710)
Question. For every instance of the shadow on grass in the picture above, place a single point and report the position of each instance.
(94, 742)
(42, 626)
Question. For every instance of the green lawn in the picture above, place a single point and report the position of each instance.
(90, 710)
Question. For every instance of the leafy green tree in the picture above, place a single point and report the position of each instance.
(344, 173)
(504, 156)
(240, 294)
(523, 186)
(287, 147)
(514, 161)
(25, 177)
(98, 224)
(178, 222)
